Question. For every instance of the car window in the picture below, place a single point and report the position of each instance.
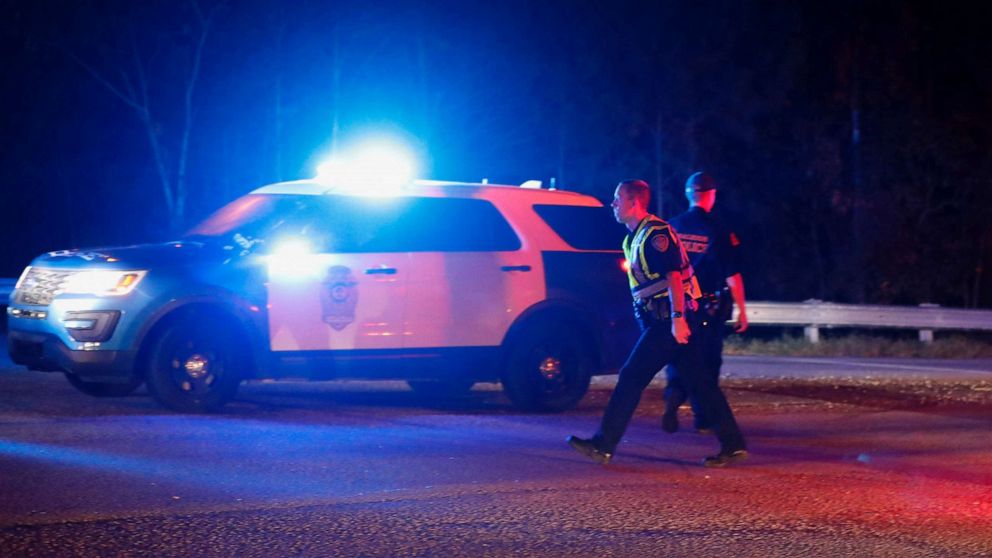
(254, 215)
(347, 224)
(405, 224)
(350, 224)
(450, 225)
(582, 227)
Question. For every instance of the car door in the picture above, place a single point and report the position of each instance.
(332, 284)
(468, 277)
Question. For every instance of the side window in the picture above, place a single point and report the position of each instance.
(347, 224)
(583, 228)
(447, 225)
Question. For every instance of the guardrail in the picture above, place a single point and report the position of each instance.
(813, 315)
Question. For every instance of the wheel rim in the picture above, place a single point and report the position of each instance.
(195, 367)
(550, 368)
(554, 370)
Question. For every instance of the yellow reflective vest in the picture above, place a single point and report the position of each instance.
(653, 250)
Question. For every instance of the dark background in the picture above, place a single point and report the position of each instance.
(851, 139)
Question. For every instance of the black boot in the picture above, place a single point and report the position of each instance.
(725, 458)
(588, 448)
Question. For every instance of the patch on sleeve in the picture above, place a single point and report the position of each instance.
(734, 241)
(660, 242)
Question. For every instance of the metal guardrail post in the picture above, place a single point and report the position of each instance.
(812, 331)
(926, 335)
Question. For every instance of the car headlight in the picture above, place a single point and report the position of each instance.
(111, 283)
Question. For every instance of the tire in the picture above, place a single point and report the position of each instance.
(103, 389)
(441, 389)
(548, 368)
(194, 366)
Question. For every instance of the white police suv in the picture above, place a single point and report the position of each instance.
(439, 284)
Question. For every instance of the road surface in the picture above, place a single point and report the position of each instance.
(879, 458)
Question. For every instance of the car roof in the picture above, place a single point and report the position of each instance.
(437, 188)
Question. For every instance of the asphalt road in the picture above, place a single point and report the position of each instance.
(848, 458)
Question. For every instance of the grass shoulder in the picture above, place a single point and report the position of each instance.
(860, 345)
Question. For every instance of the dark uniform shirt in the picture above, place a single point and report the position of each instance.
(713, 248)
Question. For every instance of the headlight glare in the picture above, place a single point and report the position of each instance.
(112, 283)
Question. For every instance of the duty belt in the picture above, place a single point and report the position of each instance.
(646, 291)
(660, 307)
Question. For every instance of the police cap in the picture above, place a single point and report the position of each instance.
(700, 182)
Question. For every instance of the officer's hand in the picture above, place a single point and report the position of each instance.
(680, 330)
(740, 326)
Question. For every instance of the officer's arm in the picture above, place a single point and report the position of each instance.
(736, 284)
(676, 296)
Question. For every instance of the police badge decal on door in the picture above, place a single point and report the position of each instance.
(338, 297)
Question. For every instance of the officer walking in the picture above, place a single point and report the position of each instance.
(714, 253)
(664, 291)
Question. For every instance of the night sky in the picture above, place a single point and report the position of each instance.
(851, 139)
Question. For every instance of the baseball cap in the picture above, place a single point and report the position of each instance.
(700, 182)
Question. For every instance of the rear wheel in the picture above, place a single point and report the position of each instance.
(548, 368)
(194, 366)
(103, 389)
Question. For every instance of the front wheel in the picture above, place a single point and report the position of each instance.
(548, 369)
(194, 366)
(103, 389)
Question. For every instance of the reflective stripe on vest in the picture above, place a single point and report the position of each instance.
(645, 283)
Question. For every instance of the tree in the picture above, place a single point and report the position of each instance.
(151, 63)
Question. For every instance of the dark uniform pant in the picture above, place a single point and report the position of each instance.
(655, 349)
(709, 335)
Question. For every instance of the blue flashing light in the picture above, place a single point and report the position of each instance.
(379, 167)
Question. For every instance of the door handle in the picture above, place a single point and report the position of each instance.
(515, 268)
(381, 271)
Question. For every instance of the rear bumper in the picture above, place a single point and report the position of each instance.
(41, 351)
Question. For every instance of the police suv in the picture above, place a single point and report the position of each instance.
(439, 284)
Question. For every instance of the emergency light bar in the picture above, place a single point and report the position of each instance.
(377, 167)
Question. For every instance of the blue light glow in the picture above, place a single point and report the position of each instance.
(226, 464)
(375, 167)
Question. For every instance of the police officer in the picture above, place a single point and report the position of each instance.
(713, 251)
(664, 291)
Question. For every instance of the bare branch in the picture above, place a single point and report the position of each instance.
(180, 184)
(154, 141)
(198, 12)
(139, 68)
(116, 91)
(128, 84)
